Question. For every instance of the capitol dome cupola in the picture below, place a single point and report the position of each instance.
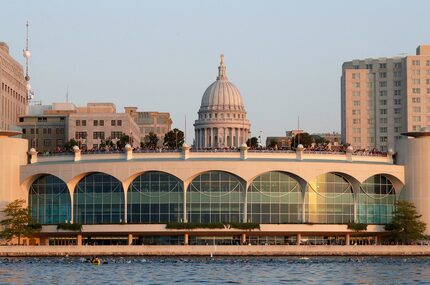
(222, 117)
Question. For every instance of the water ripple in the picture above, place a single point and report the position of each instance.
(219, 270)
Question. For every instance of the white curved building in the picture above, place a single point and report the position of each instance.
(222, 118)
(200, 196)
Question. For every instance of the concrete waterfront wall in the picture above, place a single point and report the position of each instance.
(13, 154)
(208, 250)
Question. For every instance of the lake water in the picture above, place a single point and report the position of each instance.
(217, 270)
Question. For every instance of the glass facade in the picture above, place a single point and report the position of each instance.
(215, 196)
(273, 198)
(49, 200)
(376, 200)
(98, 199)
(155, 197)
(329, 199)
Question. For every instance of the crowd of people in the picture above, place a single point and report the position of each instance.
(311, 149)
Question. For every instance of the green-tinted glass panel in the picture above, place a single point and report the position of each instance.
(49, 200)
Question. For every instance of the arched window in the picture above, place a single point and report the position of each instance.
(215, 196)
(155, 197)
(98, 199)
(49, 200)
(329, 200)
(274, 197)
(376, 200)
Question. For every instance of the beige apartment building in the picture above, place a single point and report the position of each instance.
(384, 97)
(98, 122)
(49, 127)
(13, 91)
(158, 123)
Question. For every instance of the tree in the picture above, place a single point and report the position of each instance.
(305, 139)
(151, 140)
(123, 140)
(272, 143)
(252, 142)
(174, 138)
(406, 225)
(70, 144)
(318, 140)
(18, 222)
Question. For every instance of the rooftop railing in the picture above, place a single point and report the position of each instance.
(243, 153)
(85, 152)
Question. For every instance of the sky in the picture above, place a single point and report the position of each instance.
(284, 56)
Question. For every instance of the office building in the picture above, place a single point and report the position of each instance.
(13, 89)
(383, 97)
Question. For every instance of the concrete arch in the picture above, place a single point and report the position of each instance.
(308, 210)
(81, 176)
(191, 178)
(397, 183)
(349, 178)
(127, 182)
(298, 178)
(30, 180)
(73, 182)
(25, 185)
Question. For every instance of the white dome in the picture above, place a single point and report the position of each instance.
(222, 94)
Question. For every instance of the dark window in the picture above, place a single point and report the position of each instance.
(99, 135)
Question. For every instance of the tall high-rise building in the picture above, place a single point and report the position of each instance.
(384, 97)
(13, 90)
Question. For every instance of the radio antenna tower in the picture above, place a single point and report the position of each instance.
(27, 55)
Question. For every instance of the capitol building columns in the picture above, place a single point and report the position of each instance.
(222, 121)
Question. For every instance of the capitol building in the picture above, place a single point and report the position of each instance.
(290, 197)
(222, 121)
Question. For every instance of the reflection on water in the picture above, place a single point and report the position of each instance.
(218, 270)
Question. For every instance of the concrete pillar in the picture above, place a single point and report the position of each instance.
(349, 152)
(225, 137)
(79, 239)
(186, 239)
(347, 238)
(207, 142)
(125, 217)
(211, 136)
(244, 151)
(185, 151)
(243, 240)
(71, 202)
(184, 217)
(77, 152)
(128, 152)
(130, 239)
(390, 155)
(33, 155)
(298, 239)
(376, 239)
(299, 152)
